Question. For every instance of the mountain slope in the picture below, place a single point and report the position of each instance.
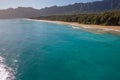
(97, 6)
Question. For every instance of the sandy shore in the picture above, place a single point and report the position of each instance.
(91, 28)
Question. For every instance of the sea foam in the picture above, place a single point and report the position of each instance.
(6, 73)
(75, 27)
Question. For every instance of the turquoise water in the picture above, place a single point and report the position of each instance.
(31, 50)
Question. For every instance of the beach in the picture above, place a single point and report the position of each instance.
(90, 28)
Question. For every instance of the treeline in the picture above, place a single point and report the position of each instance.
(105, 18)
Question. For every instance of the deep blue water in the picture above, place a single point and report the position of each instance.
(31, 50)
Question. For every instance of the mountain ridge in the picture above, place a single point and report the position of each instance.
(76, 8)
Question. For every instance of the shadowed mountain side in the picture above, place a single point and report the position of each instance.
(20, 12)
(97, 6)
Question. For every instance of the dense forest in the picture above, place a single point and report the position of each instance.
(104, 18)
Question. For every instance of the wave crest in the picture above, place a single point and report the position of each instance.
(6, 73)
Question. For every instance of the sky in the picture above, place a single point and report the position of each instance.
(38, 4)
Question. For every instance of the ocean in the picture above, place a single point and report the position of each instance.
(33, 50)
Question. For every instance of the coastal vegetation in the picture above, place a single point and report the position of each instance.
(103, 18)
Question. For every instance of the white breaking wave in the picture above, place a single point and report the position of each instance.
(6, 73)
(76, 27)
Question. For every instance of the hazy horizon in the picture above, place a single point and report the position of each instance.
(38, 4)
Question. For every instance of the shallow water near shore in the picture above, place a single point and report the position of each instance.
(32, 50)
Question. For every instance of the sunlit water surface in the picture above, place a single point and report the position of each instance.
(31, 50)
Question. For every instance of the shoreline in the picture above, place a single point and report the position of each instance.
(91, 28)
